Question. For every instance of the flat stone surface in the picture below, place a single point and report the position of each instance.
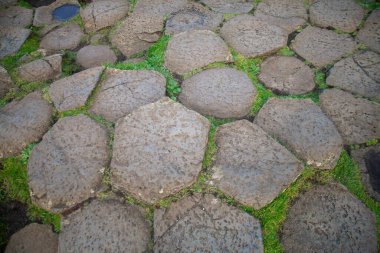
(6, 82)
(302, 127)
(16, 16)
(219, 92)
(251, 37)
(66, 167)
(43, 15)
(66, 37)
(328, 218)
(190, 50)
(8, 2)
(93, 56)
(158, 150)
(357, 119)
(370, 33)
(11, 39)
(73, 91)
(230, 6)
(205, 224)
(159, 7)
(321, 46)
(47, 68)
(359, 74)
(23, 122)
(287, 75)
(250, 166)
(126, 90)
(105, 226)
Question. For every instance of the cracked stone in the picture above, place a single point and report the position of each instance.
(370, 33)
(66, 37)
(6, 83)
(229, 6)
(159, 7)
(93, 56)
(16, 16)
(47, 68)
(11, 39)
(43, 15)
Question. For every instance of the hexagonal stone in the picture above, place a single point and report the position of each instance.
(321, 46)
(205, 224)
(329, 218)
(357, 119)
(105, 226)
(301, 125)
(66, 167)
(73, 91)
(158, 150)
(47, 68)
(252, 37)
(6, 82)
(23, 122)
(359, 74)
(220, 92)
(370, 33)
(16, 16)
(93, 56)
(159, 7)
(190, 50)
(126, 90)
(43, 15)
(66, 37)
(250, 166)
(229, 6)
(11, 39)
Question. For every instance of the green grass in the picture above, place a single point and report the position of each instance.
(369, 4)
(286, 51)
(25, 4)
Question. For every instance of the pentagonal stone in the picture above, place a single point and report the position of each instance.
(16, 16)
(126, 90)
(230, 6)
(252, 37)
(205, 224)
(66, 37)
(357, 119)
(105, 226)
(6, 82)
(321, 46)
(11, 39)
(73, 91)
(23, 122)
(43, 15)
(359, 74)
(195, 49)
(301, 125)
(287, 75)
(159, 7)
(250, 166)
(328, 218)
(158, 150)
(220, 92)
(370, 33)
(47, 68)
(93, 56)
(66, 167)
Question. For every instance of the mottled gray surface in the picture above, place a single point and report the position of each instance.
(93, 56)
(66, 37)
(47, 68)
(43, 16)
(6, 82)
(8, 2)
(159, 7)
(11, 39)
(16, 16)
(229, 6)
(370, 33)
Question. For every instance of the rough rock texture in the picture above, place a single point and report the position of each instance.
(195, 49)
(126, 90)
(6, 82)
(73, 91)
(357, 119)
(252, 37)
(93, 56)
(65, 168)
(220, 92)
(159, 7)
(11, 39)
(370, 33)
(302, 126)
(16, 16)
(328, 218)
(23, 122)
(135, 60)
(100, 14)
(205, 224)
(321, 46)
(359, 74)
(251, 166)
(158, 150)
(66, 37)
(7, 2)
(229, 6)
(287, 75)
(43, 15)
(105, 226)
(47, 68)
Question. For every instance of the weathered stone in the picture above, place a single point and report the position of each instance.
(321, 46)
(66, 37)
(158, 150)
(135, 60)
(99, 39)
(105, 226)
(93, 56)
(7, 2)
(43, 15)
(73, 91)
(47, 68)
(230, 6)
(252, 37)
(205, 224)
(16, 16)
(328, 218)
(250, 166)
(370, 33)
(6, 82)
(159, 7)
(287, 75)
(126, 90)
(11, 39)
(357, 119)
(189, 50)
(220, 92)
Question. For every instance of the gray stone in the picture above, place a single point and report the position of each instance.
(6, 82)
(370, 33)
(93, 56)
(16, 16)
(190, 50)
(328, 218)
(250, 166)
(7, 2)
(135, 60)
(159, 7)
(23, 122)
(66, 167)
(357, 119)
(205, 224)
(43, 16)
(47, 68)
(220, 92)
(11, 39)
(230, 6)
(66, 37)
(126, 90)
(158, 150)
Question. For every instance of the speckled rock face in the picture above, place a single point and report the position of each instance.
(6, 82)
(16, 16)
(301, 125)
(230, 6)
(66, 167)
(43, 15)
(158, 150)
(47, 68)
(93, 56)
(220, 92)
(66, 37)
(204, 224)
(328, 218)
(105, 226)
(251, 166)
(159, 7)
(357, 119)
(11, 39)
(8, 2)
(370, 33)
